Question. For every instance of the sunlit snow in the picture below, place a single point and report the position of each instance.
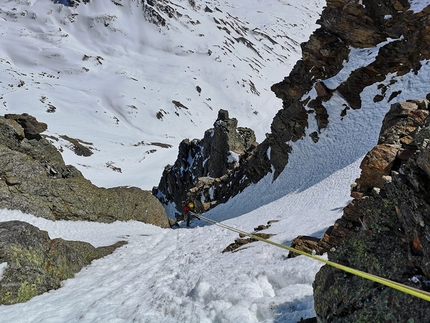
(418, 5)
(105, 84)
(104, 75)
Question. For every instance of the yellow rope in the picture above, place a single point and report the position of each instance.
(398, 286)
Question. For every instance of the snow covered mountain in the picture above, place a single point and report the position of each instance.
(100, 73)
(151, 72)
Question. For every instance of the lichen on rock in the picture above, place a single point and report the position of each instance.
(37, 264)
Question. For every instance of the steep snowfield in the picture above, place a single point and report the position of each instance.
(101, 73)
(180, 275)
(418, 5)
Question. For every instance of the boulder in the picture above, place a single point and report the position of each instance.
(377, 163)
(36, 264)
(35, 179)
(307, 244)
(396, 143)
(32, 127)
(244, 239)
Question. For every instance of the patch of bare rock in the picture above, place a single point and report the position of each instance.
(37, 264)
(243, 240)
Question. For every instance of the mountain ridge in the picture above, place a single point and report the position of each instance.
(321, 148)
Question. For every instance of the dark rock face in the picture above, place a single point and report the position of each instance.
(37, 264)
(35, 179)
(32, 127)
(154, 10)
(202, 169)
(345, 24)
(71, 3)
(385, 230)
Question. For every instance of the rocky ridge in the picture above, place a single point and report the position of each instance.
(385, 230)
(346, 25)
(35, 179)
(202, 169)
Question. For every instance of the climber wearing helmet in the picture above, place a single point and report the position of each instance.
(188, 207)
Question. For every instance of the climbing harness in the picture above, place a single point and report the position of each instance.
(398, 286)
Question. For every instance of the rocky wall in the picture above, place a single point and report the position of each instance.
(385, 230)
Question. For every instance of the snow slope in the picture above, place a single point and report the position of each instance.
(101, 73)
(182, 275)
(177, 275)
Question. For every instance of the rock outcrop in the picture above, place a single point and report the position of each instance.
(35, 179)
(202, 169)
(36, 264)
(404, 43)
(385, 230)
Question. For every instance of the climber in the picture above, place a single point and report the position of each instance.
(186, 212)
(188, 208)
